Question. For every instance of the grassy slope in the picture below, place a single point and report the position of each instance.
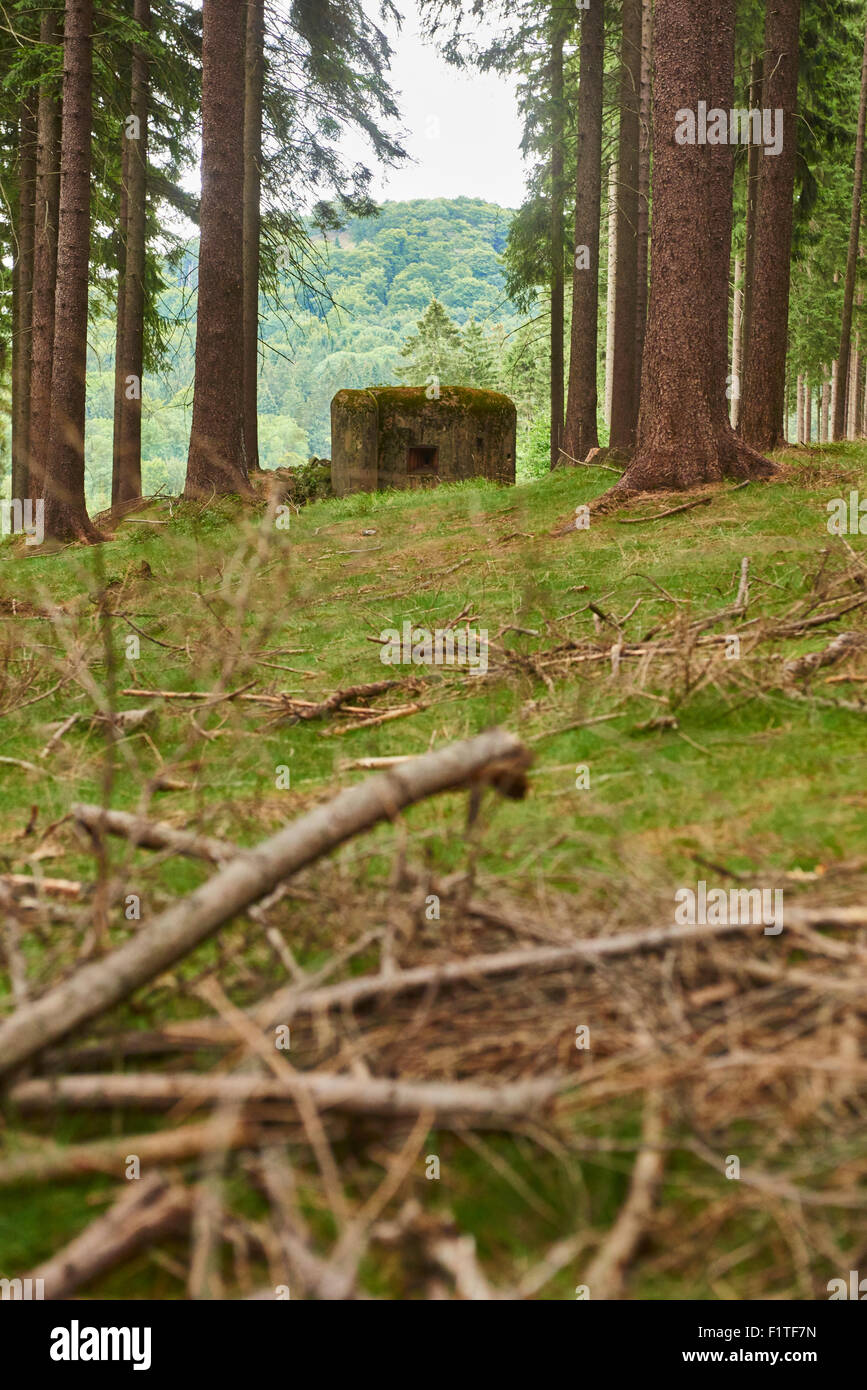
(750, 781)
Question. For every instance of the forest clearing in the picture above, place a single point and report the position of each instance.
(433, 670)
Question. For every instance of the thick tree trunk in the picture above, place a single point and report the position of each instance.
(611, 291)
(644, 157)
(581, 433)
(684, 434)
(755, 102)
(558, 286)
(253, 83)
(852, 254)
(65, 510)
(216, 462)
(769, 319)
(624, 405)
(22, 295)
(737, 327)
(44, 262)
(132, 354)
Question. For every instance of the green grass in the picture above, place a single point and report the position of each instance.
(750, 779)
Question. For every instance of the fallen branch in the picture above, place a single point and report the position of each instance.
(150, 834)
(495, 756)
(150, 1208)
(353, 1094)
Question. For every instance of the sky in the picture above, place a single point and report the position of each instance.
(462, 129)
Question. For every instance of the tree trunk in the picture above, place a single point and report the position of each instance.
(581, 433)
(65, 510)
(755, 102)
(121, 234)
(216, 461)
(22, 315)
(852, 392)
(557, 273)
(799, 424)
(132, 361)
(835, 386)
(769, 320)
(644, 157)
(825, 407)
(624, 405)
(684, 433)
(253, 84)
(737, 326)
(611, 292)
(852, 254)
(44, 262)
(808, 411)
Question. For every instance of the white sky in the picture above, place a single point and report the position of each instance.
(462, 129)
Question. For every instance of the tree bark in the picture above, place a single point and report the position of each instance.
(65, 510)
(253, 85)
(684, 433)
(216, 461)
(581, 430)
(825, 408)
(624, 406)
(852, 253)
(22, 296)
(769, 320)
(132, 355)
(44, 262)
(799, 424)
(644, 157)
(557, 273)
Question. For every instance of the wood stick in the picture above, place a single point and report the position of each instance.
(150, 1208)
(48, 1163)
(151, 834)
(353, 1094)
(495, 755)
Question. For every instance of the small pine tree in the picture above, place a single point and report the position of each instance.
(436, 350)
(479, 366)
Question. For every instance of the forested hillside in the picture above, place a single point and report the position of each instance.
(376, 277)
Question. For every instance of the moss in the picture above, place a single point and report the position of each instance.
(414, 399)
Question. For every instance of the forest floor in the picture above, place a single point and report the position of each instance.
(666, 753)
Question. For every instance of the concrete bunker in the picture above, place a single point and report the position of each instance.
(396, 437)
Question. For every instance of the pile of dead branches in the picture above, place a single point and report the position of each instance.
(443, 1007)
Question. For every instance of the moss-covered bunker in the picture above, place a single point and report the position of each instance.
(395, 436)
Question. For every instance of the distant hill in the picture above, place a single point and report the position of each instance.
(381, 274)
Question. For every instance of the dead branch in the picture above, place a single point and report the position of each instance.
(352, 1094)
(496, 756)
(149, 1209)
